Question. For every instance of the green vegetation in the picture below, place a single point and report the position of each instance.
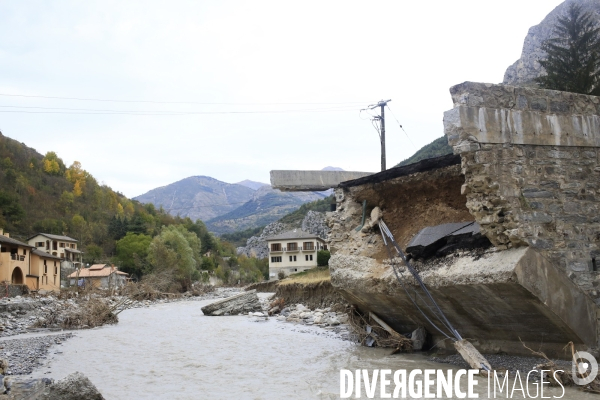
(439, 147)
(323, 257)
(297, 216)
(572, 63)
(243, 270)
(41, 194)
(239, 238)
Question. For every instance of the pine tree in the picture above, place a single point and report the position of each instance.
(573, 55)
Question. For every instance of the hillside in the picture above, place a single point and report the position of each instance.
(252, 184)
(439, 147)
(40, 194)
(198, 197)
(266, 206)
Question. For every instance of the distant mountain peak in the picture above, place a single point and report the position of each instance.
(252, 184)
(332, 169)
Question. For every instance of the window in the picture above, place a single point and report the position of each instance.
(39, 244)
(54, 279)
(308, 246)
(292, 246)
(294, 258)
(306, 257)
(290, 258)
(55, 272)
(72, 245)
(276, 259)
(45, 267)
(61, 245)
(62, 255)
(54, 245)
(310, 257)
(276, 247)
(24, 252)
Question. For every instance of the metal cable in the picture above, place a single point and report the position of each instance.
(439, 314)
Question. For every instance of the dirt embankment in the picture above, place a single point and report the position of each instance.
(312, 295)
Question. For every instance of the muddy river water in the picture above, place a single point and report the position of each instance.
(173, 351)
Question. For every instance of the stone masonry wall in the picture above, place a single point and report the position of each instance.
(531, 161)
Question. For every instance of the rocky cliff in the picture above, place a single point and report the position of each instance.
(256, 246)
(526, 68)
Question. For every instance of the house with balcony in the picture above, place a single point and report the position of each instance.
(293, 251)
(14, 260)
(60, 246)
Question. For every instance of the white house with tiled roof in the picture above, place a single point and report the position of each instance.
(293, 251)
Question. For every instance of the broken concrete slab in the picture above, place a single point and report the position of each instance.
(497, 298)
(239, 304)
(444, 239)
(302, 181)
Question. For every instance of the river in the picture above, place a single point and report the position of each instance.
(173, 351)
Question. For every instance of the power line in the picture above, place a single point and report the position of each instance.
(83, 111)
(394, 115)
(167, 102)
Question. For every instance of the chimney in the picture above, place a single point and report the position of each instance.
(6, 234)
(1, 231)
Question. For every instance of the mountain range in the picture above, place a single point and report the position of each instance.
(227, 207)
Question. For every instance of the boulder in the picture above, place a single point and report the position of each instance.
(242, 303)
(418, 338)
(74, 387)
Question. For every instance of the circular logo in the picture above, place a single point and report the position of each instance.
(585, 368)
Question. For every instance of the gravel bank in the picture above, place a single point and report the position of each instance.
(501, 362)
(23, 355)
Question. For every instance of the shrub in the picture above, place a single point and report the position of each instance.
(323, 258)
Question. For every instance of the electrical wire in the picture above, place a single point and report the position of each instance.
(431, 304)
(400, 125)
(29, 110)
(165, 102)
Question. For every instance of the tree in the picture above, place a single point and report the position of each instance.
(573, 55)
(323, 258)
(92, 254)
(131, 251)
(175, 248)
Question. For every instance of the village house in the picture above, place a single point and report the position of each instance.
(102, 276)
(44, 273)
(14, 260)
(58, 245)
(21, 264)
(293, 251)
(63, 247)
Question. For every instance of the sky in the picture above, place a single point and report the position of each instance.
(146, 93)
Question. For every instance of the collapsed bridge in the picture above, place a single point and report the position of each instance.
(526, 170)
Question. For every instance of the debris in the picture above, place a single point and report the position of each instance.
(369, 332)
(238, 304)
(444, 239)
(472, 355)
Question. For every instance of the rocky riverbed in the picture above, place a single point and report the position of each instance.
(298, 314)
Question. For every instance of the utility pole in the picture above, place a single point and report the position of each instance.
(381, 118)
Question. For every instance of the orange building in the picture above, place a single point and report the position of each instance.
(22, 264)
